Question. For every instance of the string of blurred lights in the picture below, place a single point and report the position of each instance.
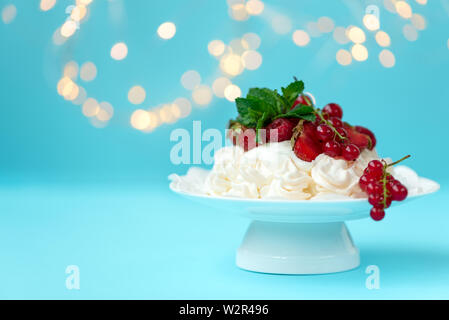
(233, 58)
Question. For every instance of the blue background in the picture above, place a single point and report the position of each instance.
(72, 194)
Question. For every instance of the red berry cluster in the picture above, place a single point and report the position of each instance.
(382, 188)
(328, 134)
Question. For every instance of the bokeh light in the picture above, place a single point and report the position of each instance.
(81, 98)
(359, 52)
(403, 9)
(9, 13)
(418, 21)
(57, 38)
(231, 64)
(356, 35)
(90, 107)
(251, 41)
(71, 70)
(184, 106)
(382, 38)
(68, 28)
(251, 59)
(190, 79)
(166, 30)
(119, 51)
(232, 92)
(422, 2)
(340, 35)
(140, 119)
(105, 112)
(344, 57)
(219, 85)
(313, 29)
(202, 95)
(386, 58)
(410, 33)
(238, 11)
(136, 95)
(46, 5)
(88, 71)
(301, 38)
(254, 7)
(216, 47)
(325, 24)
(371, 22)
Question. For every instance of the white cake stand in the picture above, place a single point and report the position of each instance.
(295, 236)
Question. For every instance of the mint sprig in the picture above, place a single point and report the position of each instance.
(262, 106)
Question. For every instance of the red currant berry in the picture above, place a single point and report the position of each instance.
(363, 181)
(377, 214)
(375, 169)
(374, 187)
(332, 148)
(342, 132)
(398, 192)
(336, 122)
(375, 199)
(333, 110)
(351, 152)
(324, 132)
(302, 99)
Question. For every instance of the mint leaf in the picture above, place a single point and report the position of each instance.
(292, 91)
(268, 96)
(301, 111)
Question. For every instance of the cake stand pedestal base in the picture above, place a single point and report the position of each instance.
(297, 248)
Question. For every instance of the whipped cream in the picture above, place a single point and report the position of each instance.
(273, 171)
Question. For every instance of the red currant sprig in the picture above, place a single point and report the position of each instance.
(382, 188)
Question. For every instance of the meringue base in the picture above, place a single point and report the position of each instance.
(297, 248)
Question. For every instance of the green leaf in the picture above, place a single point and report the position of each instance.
(292, 91)
(271, 98)
(302, 112)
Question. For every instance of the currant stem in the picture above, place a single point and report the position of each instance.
(400, 160)
(329, 124)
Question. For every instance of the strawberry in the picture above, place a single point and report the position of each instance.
(284, 129)
(306, 145)
(302, 99)
(235, 129)
(362, 141)
(247, 139)
(369, 133)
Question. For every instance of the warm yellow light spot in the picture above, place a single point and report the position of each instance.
(184, 106)
(70, 91)
(119, 51)
(9, 13)
(78, 13)
(154, 120)
(175, 111)
(166, 114)
(90, 107)
(68, 28)
(254, 7)
(359, 52)
(97, 123)
(251, 59)
(281, 24)
(410, 32)
(71, 70)
(88, 71)
(232, 92)
(216, 47)
(136, 95)
(325, 24)
(386, 58)
(238, 12)
(231, 64)
(219, 86)
(340, 35)
(83, 2)
(383, 39)
(403, 9)
(356, 35)
(61, 85)
(58, 39)
(140, 119)
(81, 98)
(344, 57)
(167, 30)
(190, 79)
(47, 4)
(251, 41)
(106, 111)
(202, 95)
(422, 2)
(418, 21)
(371, 22)
(237, 46)
(301, 38)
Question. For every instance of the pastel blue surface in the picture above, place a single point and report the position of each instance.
(72, 194)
